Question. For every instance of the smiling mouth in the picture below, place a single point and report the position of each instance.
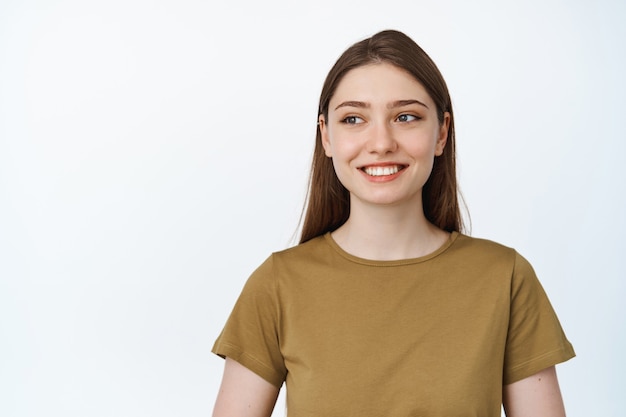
(383, 171)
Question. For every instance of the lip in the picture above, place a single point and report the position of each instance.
(379, 166)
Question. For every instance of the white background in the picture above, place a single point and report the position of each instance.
(152, 154)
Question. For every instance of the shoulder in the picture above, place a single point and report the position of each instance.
(314, 249)
(290, 262)
(487, 254)
(479, 248)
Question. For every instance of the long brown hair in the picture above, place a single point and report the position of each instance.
(328, 201)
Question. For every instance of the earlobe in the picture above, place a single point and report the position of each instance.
(321, 124)
(443, 134)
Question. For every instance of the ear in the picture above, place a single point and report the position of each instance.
(442, 139)
(321, 122)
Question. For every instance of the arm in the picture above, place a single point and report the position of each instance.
(536, 396)
(244, 393)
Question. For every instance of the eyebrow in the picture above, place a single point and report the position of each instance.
(402, 103)
(359, 104)
(392, 105)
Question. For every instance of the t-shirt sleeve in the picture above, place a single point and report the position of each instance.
(251, 334)
(535, 339)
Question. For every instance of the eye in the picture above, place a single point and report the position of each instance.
(352, 120)
(405, 118)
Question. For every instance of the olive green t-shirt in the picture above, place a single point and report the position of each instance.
(432, 336)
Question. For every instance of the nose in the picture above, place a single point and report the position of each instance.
(381, 139)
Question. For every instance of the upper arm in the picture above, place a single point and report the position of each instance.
(536, 396)
(244, 393)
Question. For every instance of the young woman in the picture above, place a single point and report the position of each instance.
(385, 308)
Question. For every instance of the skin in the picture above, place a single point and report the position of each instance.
(381, 116)
(536, 396)
(244, 393)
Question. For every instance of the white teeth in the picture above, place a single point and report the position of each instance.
(381, 171)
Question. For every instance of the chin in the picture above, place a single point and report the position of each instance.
(391, 201)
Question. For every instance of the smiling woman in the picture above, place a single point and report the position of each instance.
(383, 129)
(386, 307)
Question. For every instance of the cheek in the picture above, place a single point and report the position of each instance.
(344, 153)
(345, 149)
(420, 148)
(342, 172)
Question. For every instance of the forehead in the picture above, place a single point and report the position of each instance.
(381, 82)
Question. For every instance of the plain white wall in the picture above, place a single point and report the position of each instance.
(153, 153)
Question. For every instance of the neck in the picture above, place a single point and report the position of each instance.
(388, 233)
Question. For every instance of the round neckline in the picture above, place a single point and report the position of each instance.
(396, 262)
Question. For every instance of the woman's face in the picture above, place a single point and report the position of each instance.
(382, 133)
